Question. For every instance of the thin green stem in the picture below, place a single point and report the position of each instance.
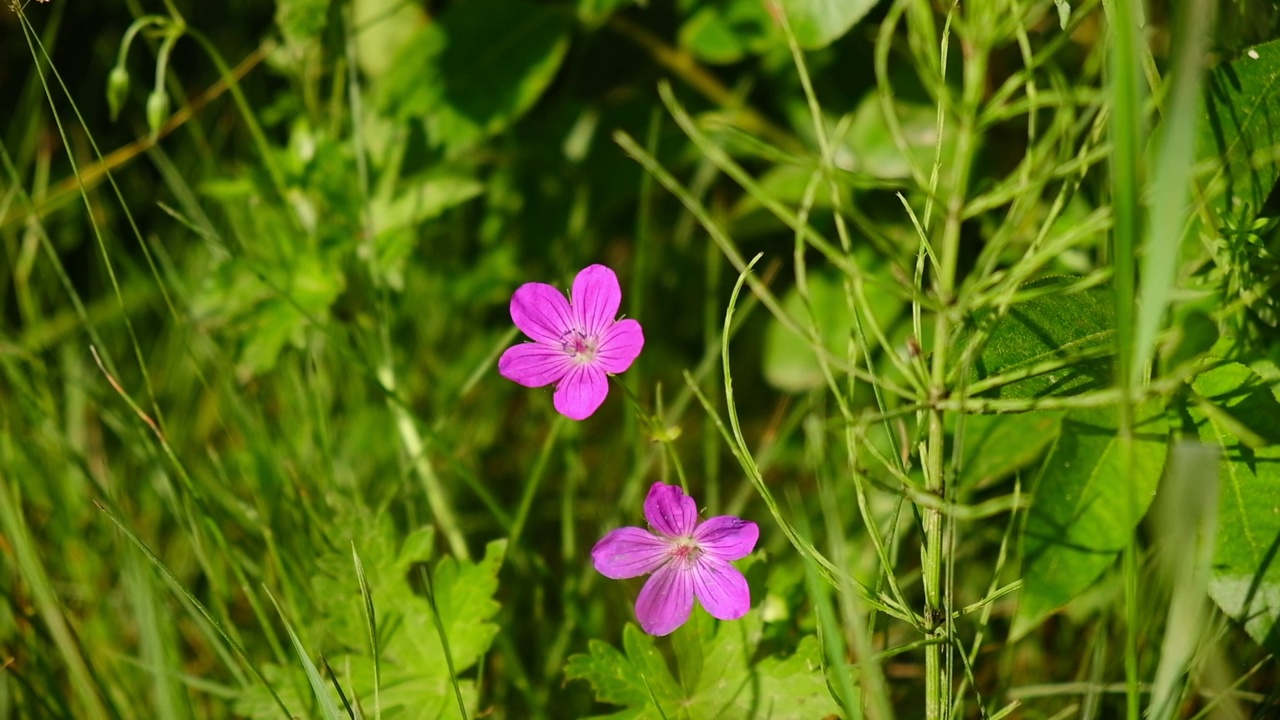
(1126, 138)
(937, 677)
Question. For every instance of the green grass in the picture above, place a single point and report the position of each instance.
(256, 459)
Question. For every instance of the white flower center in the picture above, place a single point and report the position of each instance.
(581, 346)
(685, 550)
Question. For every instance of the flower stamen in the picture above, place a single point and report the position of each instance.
(581, 346)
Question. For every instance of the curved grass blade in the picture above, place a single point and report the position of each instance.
(328, 708)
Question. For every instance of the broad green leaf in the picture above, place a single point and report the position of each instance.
(1245, 580)
(413, 671)
(1091, 495)
(818, 23)
(996, 445)
(874, 151)
(789, 361)
(476, 69)
(1049, 330)
(384, 28)
(1243, 130)
(729, 684)
(728, 31)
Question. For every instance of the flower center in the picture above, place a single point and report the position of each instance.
(580, 345)
(686, 550)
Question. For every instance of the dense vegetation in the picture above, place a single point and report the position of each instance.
(969, 310)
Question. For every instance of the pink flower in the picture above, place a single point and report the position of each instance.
(576, 342)
(688, 559)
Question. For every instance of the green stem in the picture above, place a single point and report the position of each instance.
(132, 31)
(937, 676)
(1127, 142)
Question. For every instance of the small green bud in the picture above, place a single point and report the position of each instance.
(117, 90)
(157, 110)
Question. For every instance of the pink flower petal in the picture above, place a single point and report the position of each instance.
(596, 297)
(727, 537)
(620, 346)
(541, 312)
(670, 511)
(630, 552)
(666, 600)
(721, 588)
(534, 364)
(581, 392)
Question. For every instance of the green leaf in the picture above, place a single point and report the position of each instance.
(594, 12)
(997, 445)
(302, 20)
(818, 23)
(729, 685)
(414, 676)
(723, 33)
(1245, 580)
(384, 29)
(1049, 329)
(1243, 130)
(395, 219)
(476, 69)
(1086, 505)
(423, 199)
(789, 361)
(876, 153)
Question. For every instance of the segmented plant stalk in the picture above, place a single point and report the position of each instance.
(938, 681)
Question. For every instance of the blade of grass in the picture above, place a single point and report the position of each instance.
(87, 692)
(1171, 178)
(1187, 523)
(1127, 143)
(444, 641)
(371, 623)
(177, 587)
(328, 708)
(154, 640)
(829, 630)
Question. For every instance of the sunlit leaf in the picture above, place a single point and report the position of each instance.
(997, 445)
(871, 146)
(415, 676)
(1091, 495)
(1243, 130)
(727, 32)
(818, 23)
(789, 361)
(1245, 579)
(383, 27)
(1052, 332)
(729, 683)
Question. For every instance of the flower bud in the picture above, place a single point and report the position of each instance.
(157, 110)
(117, 90)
